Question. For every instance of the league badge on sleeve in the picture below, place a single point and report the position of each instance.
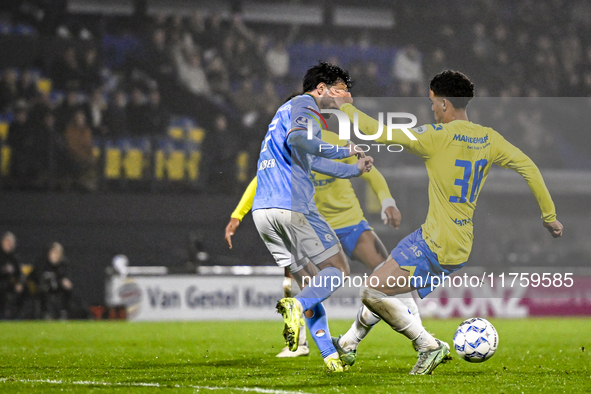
(420, 129)
(301, 121)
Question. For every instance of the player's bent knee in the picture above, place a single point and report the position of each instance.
(338, 261)
(370, 296)
(343, 263)
(346, 271)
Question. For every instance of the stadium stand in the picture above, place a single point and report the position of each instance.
(200, 61)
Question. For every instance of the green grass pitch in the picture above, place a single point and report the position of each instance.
(534, 355)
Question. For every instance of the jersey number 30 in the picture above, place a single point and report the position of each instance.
(478, 169)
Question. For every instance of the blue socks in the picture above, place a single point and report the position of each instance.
(320, 288)
(318, 326)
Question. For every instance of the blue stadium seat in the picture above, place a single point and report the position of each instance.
(56, 97)
(24, 30)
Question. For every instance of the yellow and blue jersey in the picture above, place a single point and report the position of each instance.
(336, 198)
(458, 157)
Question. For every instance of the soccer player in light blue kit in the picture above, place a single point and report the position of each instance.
(284, 211)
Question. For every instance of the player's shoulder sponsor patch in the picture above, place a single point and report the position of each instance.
(420, 129)
(301, 121)
(437, 126)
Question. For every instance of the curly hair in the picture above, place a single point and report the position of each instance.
(454, 86)
(327, 73)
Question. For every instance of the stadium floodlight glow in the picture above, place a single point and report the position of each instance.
(345, 129)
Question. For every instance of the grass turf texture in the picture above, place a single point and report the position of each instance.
(550, 355)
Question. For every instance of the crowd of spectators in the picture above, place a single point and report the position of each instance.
(525, 49)
(244, 72)
(34, 291)
(518, 49)
(52, 136)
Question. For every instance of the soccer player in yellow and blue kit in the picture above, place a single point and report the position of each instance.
(337, 202)
(458, 155)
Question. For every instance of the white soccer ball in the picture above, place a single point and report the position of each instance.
(476, 340)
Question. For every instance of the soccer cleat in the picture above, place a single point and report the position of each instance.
(334, 364)
(291, 311)
(303, 350)
(430, 359)
(347, 357)
(447, 358)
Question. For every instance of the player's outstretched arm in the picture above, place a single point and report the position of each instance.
(342, 170)
(367, 124)
(298, 138)
(509, 156)
(243, 207)
(390, 212)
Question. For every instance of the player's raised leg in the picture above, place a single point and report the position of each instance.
(370, 250)
(391, 279)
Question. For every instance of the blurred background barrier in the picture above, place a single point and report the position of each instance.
(250, 293)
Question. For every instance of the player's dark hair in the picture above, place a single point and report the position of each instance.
(454, 86)
(327, 73)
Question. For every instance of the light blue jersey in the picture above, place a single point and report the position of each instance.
(288, 156)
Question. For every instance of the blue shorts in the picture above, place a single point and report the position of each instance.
(413, 255)
(350, 235)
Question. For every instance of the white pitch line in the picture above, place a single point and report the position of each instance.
(143, 384)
